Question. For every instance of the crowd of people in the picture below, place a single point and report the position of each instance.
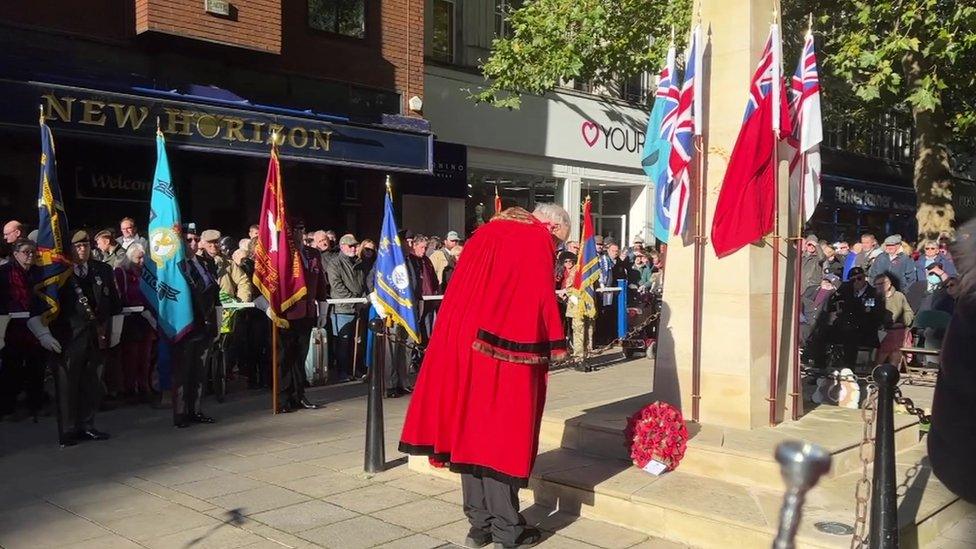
(878, 299)
(855, 297)
(106, 363)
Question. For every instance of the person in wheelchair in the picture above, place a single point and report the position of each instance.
(852, 318)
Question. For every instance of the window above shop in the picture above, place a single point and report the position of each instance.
(503, 8)
(443, 23)
(343, 17)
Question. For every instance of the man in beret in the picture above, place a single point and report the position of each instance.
(77, 340)
(107, 250)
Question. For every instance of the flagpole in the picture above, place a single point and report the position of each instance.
(274, 368)
(698, 276)
(774, 297)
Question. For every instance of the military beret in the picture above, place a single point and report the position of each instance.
(79, 236)
(210, 235)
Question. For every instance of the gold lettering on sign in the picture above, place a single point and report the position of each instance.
(126, 115)
(321, 140)
(256, 132)
(91, 112)
(276, 134)
(298, 137)
(234, 127)
(207, 126)
(178, 121)
(60, 107)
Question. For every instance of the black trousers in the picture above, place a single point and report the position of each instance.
(21, 370)
(77, 383)
(492, 506)
(396, 358)
(292, 349)
(188, 362)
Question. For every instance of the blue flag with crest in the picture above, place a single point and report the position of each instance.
(393, 296)
(162, 283)
(52, 230)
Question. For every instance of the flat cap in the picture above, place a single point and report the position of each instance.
(893, 240)
(598, 239)
(79, 236)
(348, 240)
(210, 235)
(105, 233)
(452, 235)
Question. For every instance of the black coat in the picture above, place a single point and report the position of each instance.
(952, 438)
(205, 294)
(98, 287)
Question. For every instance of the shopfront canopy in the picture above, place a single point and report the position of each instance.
(211, 119)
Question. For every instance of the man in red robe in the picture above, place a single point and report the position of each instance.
(479, 399)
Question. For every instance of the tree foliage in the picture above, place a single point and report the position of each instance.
(913, 58)
(599, 41)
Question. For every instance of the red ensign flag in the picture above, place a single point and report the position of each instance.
(277, 268)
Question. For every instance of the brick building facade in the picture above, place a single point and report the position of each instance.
(350, 66)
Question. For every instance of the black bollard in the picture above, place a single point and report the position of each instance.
(884, 498)
(375, 459)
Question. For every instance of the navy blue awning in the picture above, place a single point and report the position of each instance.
(212, 119)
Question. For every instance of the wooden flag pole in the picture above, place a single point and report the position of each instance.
(274, 368)
(774, 297)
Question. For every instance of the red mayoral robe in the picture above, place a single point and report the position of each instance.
(479, 399)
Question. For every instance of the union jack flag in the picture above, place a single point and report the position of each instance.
(687, 125)
(657, 145)
(762, 85)
(807, 131)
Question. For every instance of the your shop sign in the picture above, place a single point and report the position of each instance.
(612, 137)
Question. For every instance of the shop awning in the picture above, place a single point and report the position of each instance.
(210, 119)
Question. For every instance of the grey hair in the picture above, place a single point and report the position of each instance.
(130, 252)
(553, 213)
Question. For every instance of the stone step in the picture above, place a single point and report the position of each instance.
(705, 512)
(731, 455)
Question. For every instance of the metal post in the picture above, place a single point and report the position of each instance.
(884, 497)
(375, 458)
(622, 309)
(802, 465)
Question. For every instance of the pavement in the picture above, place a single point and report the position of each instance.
(252, 480)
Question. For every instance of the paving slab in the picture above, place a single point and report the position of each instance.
(360, 532)
(304, 516)
(420, 516)
(373, 498)
(259, 499)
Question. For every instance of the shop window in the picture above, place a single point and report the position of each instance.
(504, 8)
(442, 37)
(345, 17)
(632, 89)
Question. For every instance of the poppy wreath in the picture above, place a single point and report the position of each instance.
(657, 432)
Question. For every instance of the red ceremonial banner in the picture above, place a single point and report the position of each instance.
(277, 268)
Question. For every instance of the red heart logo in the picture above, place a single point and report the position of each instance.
(591, 132)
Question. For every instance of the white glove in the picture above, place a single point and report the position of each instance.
(270, 312)
(149, 318)
(43, 334)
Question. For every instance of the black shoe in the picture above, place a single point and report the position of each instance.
(285, 409)
(306, 404)
(181, 424)
(393, 393)
(404, 391)
(529, 538)
(477, 538)
(68, 439)
(200, 418)
(93, 434)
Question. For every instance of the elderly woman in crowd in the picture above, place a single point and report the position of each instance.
(897, 319)
(138, 330)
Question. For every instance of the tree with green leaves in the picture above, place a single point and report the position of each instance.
(916, 58)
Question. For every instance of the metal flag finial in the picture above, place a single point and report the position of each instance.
(41, 106)
(389, 184)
